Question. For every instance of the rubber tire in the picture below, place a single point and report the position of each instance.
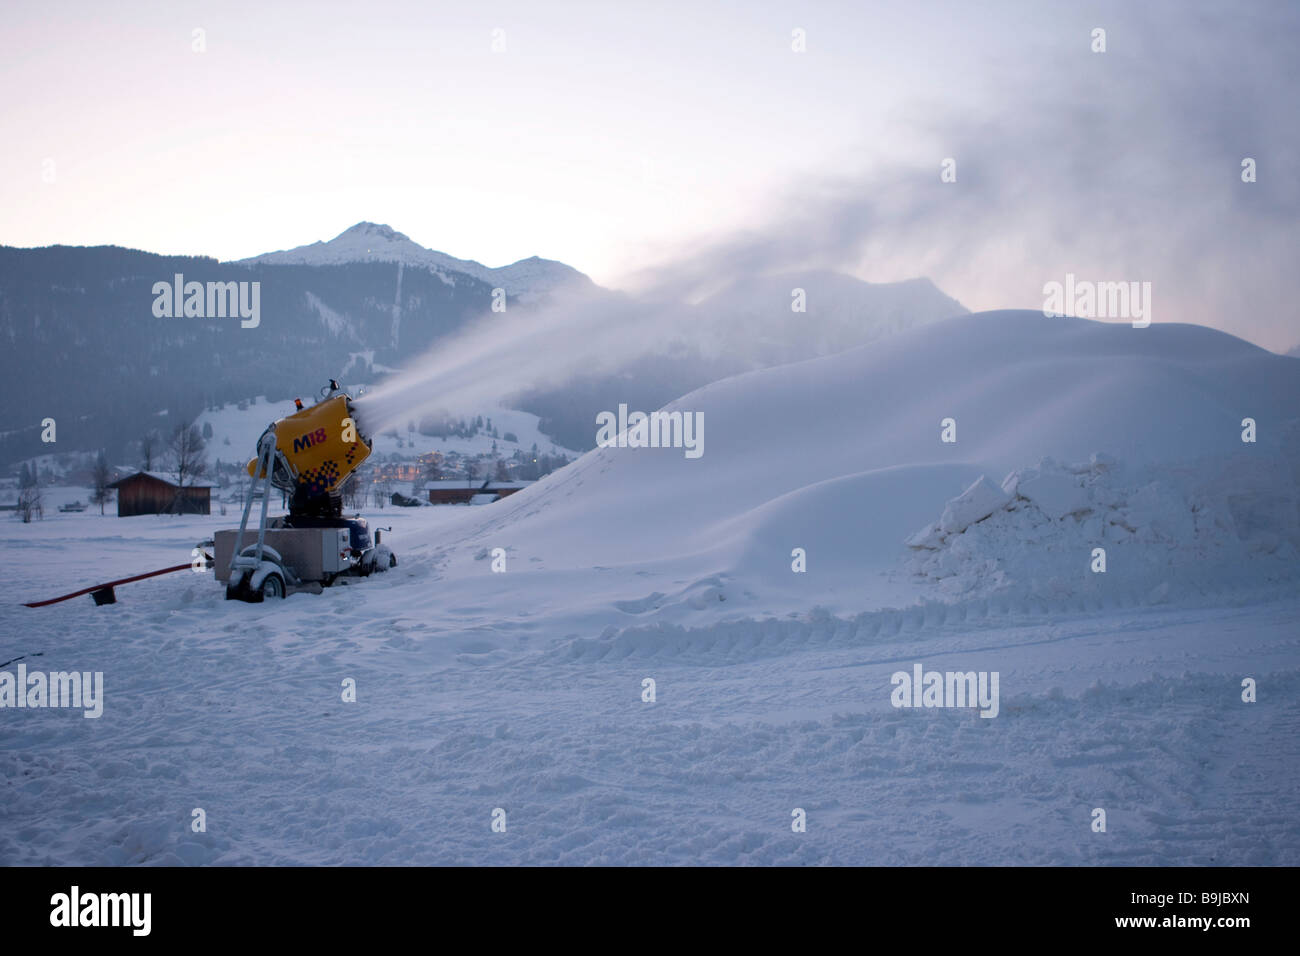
(272, 587)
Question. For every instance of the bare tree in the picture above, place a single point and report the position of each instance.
(101, 476)
(354, 490)
(29, 496)
(150, 447)
(242, 482)
(186, 449)
(187, 453)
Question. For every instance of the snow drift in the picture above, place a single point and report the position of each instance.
(1099, 528)
(842, 456)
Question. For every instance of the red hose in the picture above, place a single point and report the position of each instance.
(110, 584)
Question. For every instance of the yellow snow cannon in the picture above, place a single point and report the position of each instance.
(309, 455)
(316, 449)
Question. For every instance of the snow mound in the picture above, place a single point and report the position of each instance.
(976, 503)
(1054, 493)
(1098, 527)
(844, 456)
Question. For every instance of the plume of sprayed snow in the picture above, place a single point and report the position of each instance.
(1061, 189)
(505, 353)
(674, 305)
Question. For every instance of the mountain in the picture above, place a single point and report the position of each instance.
(529, 279)
(84, 343)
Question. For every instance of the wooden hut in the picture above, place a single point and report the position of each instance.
(157, 493)
(458, 491)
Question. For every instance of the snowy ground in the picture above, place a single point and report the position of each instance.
(522, 690)
(236, 709)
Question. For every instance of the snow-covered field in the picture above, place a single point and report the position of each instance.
(521, 689)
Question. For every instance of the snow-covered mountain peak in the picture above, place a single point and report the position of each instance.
(375, 230)
(377, 242)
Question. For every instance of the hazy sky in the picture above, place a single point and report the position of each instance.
(615, 136)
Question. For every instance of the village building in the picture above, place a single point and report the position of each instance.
(459, 491)
(159, 493)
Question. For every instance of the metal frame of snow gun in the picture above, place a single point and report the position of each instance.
(261, 571)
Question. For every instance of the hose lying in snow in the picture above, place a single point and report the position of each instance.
(103, 593)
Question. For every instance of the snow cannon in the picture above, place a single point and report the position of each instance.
(315, 450)
(309, 455)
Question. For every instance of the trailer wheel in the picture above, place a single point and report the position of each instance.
(272, 587)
